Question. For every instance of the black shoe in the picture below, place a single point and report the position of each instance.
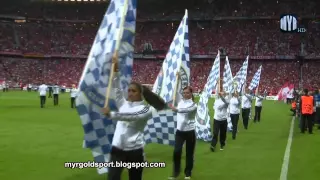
(310, 132)
(212, 148)
(221, 148)
(233, 137)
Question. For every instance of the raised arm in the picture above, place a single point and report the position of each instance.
(248, 96)
(260, 97)
(120, 99)
(189, 109)
(221, 106)
(145, 113)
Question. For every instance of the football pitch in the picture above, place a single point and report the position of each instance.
(35, 143)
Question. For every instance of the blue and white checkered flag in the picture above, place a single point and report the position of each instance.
(161, 128)
(173, 60)
(256, 79)
(241, 76)
(228, 86)
(213, 76)
(227, 77)
(116, 34)
(203, 125)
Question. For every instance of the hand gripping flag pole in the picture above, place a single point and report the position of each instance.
(115, 55)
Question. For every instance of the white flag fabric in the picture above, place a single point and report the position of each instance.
(228, 86)
(115, 35)
(161, 128)
(227, 77)
(203, 125)
(241, 76)
(256, 79)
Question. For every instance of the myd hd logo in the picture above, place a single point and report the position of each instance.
(289, 23)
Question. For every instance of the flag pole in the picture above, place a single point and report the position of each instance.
(115, 57)
(219, 85)
(175, 89)
(114, 61)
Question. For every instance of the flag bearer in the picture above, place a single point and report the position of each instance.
(43, 92)
(56, 91)
(128, 140)
(185, 133)
(235, 104)
(73, 94)
(258, 107)
(246, 106)
(220, 123)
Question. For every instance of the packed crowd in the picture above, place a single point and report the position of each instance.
(165, 9)
(236, 38)
(259, 38)
(68, 72)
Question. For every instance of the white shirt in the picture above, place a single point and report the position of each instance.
(246, 101)
(186, 115)
(290, 94)
(74, 92)
(132, 118)
(43, 90)
(220, 109)
(259, 100)
(56, 89)
(235, 105)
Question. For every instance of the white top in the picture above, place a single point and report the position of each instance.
(56, 89)
(74, 92)
(290, 94)
(220, 109)
(132, 118)
(43, 89)
(235, 105)
(246, 101)
(259, 100)
(186, 115)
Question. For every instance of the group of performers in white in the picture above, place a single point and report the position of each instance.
(43, 89)
(133, 114)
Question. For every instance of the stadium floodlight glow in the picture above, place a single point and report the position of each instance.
(66, 0)
(72, 0)
(79, 0)
(85, 0)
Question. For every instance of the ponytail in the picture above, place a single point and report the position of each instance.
(153, 99)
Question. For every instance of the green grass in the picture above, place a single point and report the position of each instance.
(35, 143)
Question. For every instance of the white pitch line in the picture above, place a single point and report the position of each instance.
(286, 158)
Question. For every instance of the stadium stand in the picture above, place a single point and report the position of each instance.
(54, 42)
